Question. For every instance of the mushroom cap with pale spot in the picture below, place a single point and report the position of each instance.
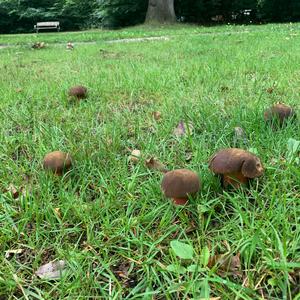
(180, 183)
(234, 160)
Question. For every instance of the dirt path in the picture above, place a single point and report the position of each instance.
(153, 38)
(130, 40)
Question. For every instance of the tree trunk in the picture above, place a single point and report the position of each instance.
(161, 11)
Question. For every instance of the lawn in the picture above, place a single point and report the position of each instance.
(107, 218)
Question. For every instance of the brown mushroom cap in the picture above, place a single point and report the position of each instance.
(279, 111)
(78, 91)
(58, 162)
(180, 183)
(234, 161)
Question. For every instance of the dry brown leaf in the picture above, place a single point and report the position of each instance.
(156, 115)
(270, 90)
(11, 252)
(183, 129)
(135, 156)
(38, 45)
(188, 156)
(154, 164)
(13, 191)
(57, 212)
(51, 270)
(226, 263)
(70, 46)
(240, 134)
(122, 272)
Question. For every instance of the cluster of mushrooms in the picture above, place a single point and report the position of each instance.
(235, 167)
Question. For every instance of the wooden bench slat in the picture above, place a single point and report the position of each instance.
(46, 25)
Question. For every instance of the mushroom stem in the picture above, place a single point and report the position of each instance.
(235, 180)
(164, 170)
(180, 201)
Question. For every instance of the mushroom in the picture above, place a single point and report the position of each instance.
(78, 91)
(58, 162)
(280, 112)
(179, 185)
(235, 166)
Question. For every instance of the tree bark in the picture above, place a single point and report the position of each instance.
(161, 11)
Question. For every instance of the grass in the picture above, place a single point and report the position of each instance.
(100, 36)
(108, 219)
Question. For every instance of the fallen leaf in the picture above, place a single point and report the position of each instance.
(155, 164)
(270, 90)
(52, 270)
(70, 46)
(13, 191)
(57, 212)
(156, 115)
(183, 129)
(38, 45)
(240, 135)
(11, 252)
(135, 156)
(123, 273)
(188, 156)
(226, 263)
(122, 270)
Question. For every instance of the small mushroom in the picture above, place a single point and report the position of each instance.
(78, 91)
(179, 185)
(280, 112)
(58, 162)
(235, 166)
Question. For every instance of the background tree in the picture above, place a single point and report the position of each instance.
(120, 13)
(161, 11)
(21, 15)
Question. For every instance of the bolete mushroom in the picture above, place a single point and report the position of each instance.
(78, 92)
(235, 166)
(179, 185)
(279, 112)
(58, 162)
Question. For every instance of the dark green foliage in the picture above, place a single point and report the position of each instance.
(20, 16)
(120, 13)
(192, 11)
(8, 17)
(279, 10)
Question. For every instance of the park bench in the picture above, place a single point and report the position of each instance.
(46, 25)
